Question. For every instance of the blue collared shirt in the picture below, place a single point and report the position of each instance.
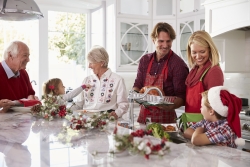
(8, 71)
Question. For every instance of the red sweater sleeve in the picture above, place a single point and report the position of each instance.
(15, 88)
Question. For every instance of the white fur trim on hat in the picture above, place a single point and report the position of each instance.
(239, 142)
(215, 100)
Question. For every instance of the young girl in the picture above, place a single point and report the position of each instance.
(55, 87)
(221, 123)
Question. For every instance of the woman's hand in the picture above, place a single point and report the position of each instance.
(113, 114)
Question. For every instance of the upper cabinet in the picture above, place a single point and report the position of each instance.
(134, 8)
(134, 20)
(224, 16)
(164, 9)
(132, 42)
(185, 28)
(227, 22)
(189, 7)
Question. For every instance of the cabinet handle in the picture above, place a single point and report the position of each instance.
(193, 10)
(173, 14)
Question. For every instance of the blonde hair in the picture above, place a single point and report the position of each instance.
(165, 27)
(50, 86)
(205, 99)
(207, 104)
(98, 54)
(203, 39)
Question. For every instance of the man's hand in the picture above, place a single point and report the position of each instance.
(5, 105)
(32, 97)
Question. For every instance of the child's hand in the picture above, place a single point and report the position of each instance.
(86, 87)
(113, 114)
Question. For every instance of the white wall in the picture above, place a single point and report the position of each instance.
(239, 83)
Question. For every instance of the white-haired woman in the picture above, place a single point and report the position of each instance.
(108, 91)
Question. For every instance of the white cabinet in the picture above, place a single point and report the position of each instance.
(164, 9)
(223, 16)
(185, 27)
(134, 8)
(189, 7)
(134, 20)
(222, 20)
(132, 42)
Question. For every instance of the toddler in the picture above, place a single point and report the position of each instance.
(55, 87)
(221, 123)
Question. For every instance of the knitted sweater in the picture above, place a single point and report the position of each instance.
(15, 88)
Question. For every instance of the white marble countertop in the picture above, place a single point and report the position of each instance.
(26, 141)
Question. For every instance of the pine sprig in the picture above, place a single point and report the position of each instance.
(50, 108)
(100, 121)
(143, 146)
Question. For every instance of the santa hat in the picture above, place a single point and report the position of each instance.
(227, 105)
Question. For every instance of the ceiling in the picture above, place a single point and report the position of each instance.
(83, 4)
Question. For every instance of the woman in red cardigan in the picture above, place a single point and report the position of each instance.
(203, 59)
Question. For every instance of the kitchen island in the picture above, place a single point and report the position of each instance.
(29, 141)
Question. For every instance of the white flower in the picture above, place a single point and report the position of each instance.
(117, 144)
(147, 150)
(89, 125)
(160, 152)
(166, 145)
(141, 145)
(50, 118)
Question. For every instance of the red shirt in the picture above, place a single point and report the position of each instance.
(15, 88)
(174, 85)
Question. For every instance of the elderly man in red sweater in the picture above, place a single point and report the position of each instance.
(14, 80)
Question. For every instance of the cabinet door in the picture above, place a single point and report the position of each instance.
(189, 7)
(134, 8)
(185, 28)
(132, 43)
(164, 9)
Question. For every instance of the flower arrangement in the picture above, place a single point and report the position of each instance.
(141, 142)
(95, 121)
(50, 108)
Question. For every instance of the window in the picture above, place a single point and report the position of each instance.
(27, 32)
(66, 32)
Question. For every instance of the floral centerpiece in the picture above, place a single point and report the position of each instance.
(99, 121)
(50, 108)
(141, 142)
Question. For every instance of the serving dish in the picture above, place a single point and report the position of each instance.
(148, 103)
(171, 125)
(87, 112)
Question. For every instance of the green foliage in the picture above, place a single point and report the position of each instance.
(68, 36)
(158, 131)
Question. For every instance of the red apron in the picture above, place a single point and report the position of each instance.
(193, 96)
(156, 114)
